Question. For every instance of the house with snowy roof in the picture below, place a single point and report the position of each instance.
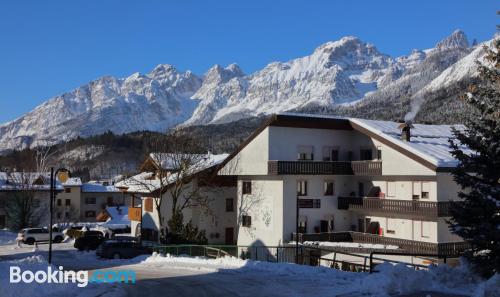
(193, 175)
(34, 186)
(82, 202)
(343, 180)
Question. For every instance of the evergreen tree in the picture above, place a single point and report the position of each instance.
(476, 218)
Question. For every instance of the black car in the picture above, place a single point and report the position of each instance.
(121, 249)
(89, 240)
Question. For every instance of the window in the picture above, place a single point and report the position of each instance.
(365, 154)
(59, 202)
(309, 203)
(391, 189)
(361, 189)
(305, 152)
(329, 188)
(67, 202)
(391, 226)
(302, 226)
(379, 153)
(148, 204)
(330, 154)
(66, 215)
(426, 189)
(67, 190)
(349, 156)
(229, 205)
(302, 188)
(90, 214)
(109, 201)
(247, 221)
(247, 187)
(58, 215)
(425, 229)
(90, 200)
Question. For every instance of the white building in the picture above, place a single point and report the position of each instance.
(218, 218)
(351, 176)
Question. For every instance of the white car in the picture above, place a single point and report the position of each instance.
(32, 235)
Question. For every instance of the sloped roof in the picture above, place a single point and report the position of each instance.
(96, 187)
(142, 182)
(13, 181)
(429, 143)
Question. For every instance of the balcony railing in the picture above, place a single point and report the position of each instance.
(422, 209)
(134, 214)
(365, 168)
(446, 249)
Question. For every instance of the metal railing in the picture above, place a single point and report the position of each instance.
(422, 209)
(446, 249)
(363, 168)
(308, 255)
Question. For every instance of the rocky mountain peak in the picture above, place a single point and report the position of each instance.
(457, 40)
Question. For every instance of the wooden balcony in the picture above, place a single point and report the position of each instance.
(394, 208)
(134, 214)
(364, 168)
(446, 249)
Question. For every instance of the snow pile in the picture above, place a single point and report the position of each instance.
(400, 279)
(389, 281)
(7, 237)
(350, 245)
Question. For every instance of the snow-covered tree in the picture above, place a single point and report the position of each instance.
(476, 218)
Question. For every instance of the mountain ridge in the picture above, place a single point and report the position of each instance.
(337, 75)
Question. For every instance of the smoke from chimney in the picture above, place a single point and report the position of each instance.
(416, 104)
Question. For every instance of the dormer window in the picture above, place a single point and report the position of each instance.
(305, 153)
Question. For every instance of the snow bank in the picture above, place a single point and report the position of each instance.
(7, 237)
(389, 281)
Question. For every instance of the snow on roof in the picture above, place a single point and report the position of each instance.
(98, 187)
(118, 216)
(12, 181)
(430, 142)
(145, 182)
(427, 141)
(72, 182)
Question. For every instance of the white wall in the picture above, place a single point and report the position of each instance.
(252, 159)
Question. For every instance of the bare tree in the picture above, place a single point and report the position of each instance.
(181, 169)
(24, 208)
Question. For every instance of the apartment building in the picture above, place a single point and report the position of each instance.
(355, 180)
(83, 201)
(217, 217)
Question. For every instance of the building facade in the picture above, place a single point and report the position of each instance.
(374, 181)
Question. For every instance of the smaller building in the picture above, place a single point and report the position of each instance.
(83, 201)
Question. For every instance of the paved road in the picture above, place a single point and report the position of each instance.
(177, 282)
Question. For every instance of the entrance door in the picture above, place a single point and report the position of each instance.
(229, 235)
(323, 226)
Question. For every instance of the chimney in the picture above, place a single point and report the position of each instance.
(405, 131)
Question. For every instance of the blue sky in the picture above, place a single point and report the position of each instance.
(49, 47)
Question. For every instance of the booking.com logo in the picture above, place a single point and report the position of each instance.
(60, 276)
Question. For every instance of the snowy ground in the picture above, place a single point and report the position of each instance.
(159, 275)
(7, 237)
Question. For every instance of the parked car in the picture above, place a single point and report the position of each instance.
(89, 240)
(121, 249)
(32, 235)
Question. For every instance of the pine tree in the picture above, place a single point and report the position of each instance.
(476, 218)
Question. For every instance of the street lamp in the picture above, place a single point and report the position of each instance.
(63, 177)
(297, 231)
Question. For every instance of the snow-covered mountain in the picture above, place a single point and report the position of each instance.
(336, 73)
(155, 101)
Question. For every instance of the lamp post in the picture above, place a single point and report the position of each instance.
(62, 178)
(297, 231)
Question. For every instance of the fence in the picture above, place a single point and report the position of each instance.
(307, 255)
